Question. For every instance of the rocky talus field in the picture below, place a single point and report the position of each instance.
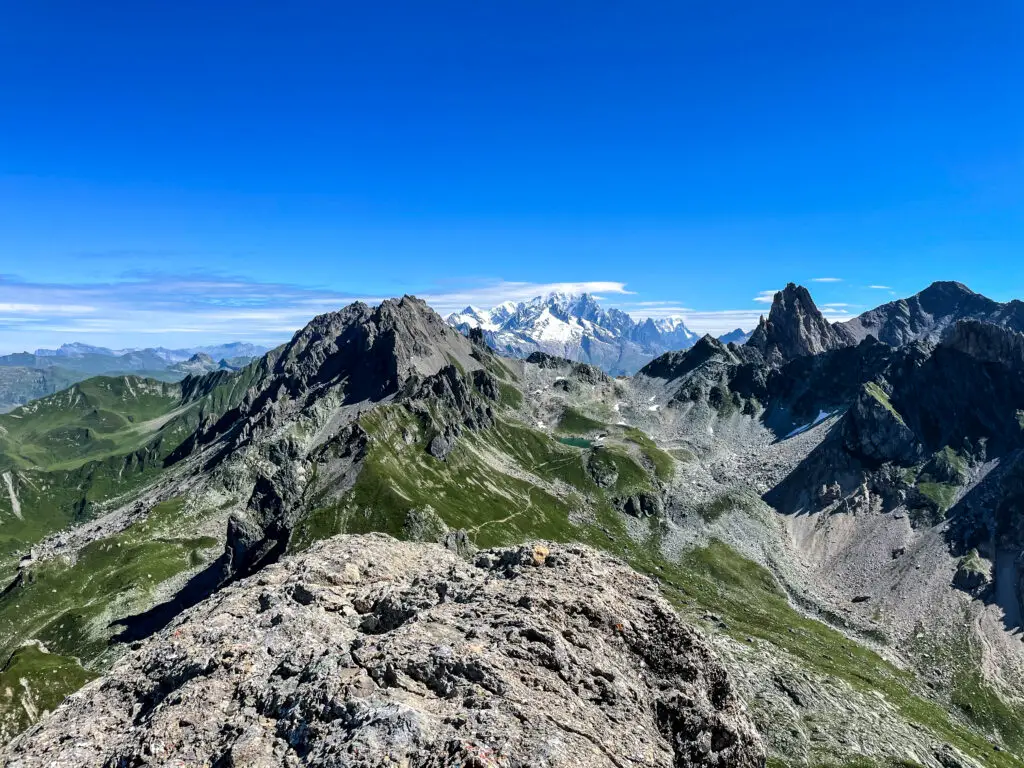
(385, 543)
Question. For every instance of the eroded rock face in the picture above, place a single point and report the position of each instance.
(874, 429)
(367, 651)
(795, 328)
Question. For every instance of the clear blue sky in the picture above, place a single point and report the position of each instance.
(238, 166)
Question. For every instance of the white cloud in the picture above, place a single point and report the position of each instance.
(765, 297)
(490, 294)
(881, 287)
(147, 309)
(176, 311)
(17, 308)
(826, 279)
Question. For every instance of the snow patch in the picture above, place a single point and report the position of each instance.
(652, 408)
(817, 420)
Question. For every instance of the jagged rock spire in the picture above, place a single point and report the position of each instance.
(795, 327)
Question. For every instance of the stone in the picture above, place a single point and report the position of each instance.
(434, 671)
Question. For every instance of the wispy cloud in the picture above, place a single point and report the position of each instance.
(491, 293)
(155, 309)
(151, 309)
(826, 279)
(881, 287)
(765, 297)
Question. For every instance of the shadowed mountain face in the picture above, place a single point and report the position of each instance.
(888, 544)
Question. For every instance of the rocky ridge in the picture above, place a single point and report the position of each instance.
(366, 651)
(925, 316)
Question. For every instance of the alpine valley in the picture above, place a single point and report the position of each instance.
(404, 540)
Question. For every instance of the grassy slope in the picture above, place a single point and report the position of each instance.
(499, 508)
(69, 607)
(102, 438)
(466, 490)
(748, 598)
(92, 419)
(33, 682)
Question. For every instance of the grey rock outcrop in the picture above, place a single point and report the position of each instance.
(674, 365)
(874, 430)
(367, 651)
(642, 504)
(973, 574)
(795, 328)
(581, 372)
(448, 402)
(987, 343)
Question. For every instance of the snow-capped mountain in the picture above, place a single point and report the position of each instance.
(577, 327)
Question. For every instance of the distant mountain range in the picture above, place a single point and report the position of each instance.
(26, 376)
(79, 351)
(576, 327)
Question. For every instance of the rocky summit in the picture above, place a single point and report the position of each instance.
(367, 651)
(794, 328)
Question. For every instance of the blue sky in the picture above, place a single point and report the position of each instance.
(190, 172)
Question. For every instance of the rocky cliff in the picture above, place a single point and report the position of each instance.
(795, 328)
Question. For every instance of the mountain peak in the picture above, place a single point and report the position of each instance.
(927, 315)
(949, 286)
(373, 349)
(575, 326)
(737, 336)
(795, 327)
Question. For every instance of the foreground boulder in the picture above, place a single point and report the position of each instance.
(367, 651)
